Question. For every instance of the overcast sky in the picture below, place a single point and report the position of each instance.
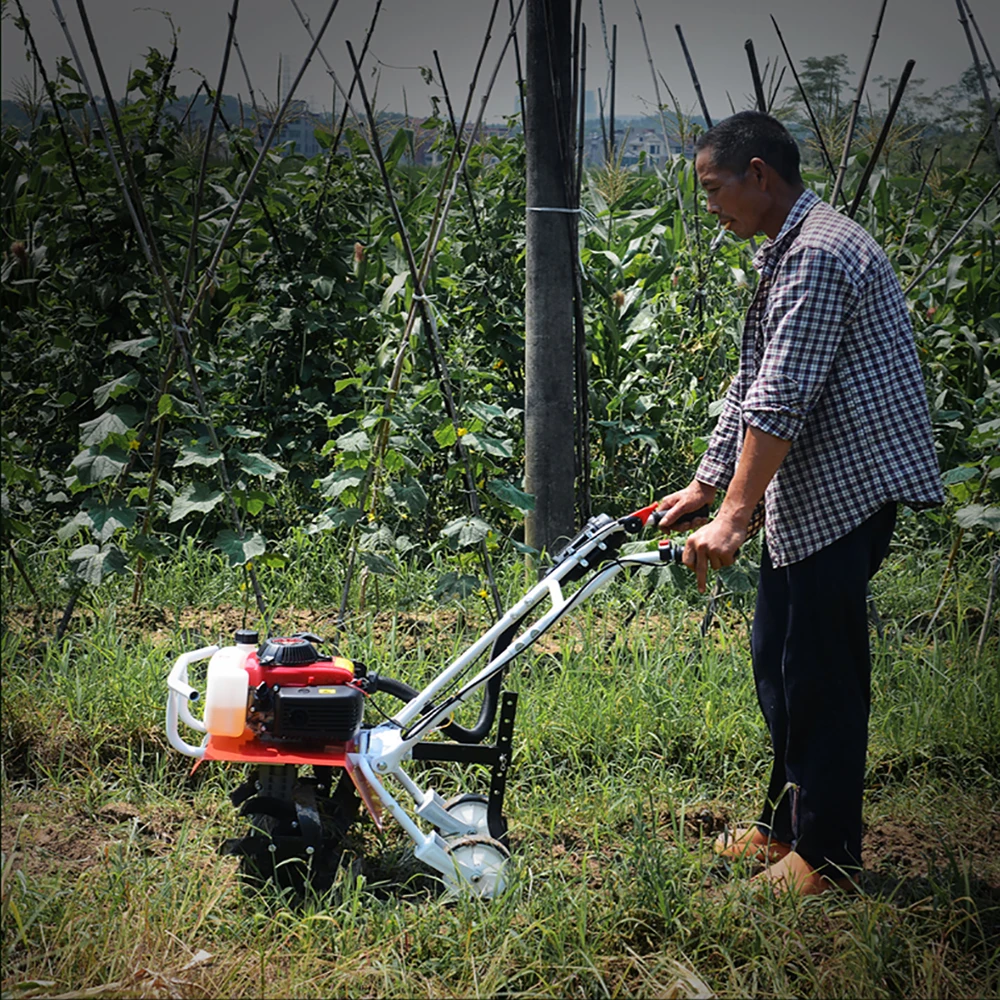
(408, 31)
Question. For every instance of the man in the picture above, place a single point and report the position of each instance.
(827, 420)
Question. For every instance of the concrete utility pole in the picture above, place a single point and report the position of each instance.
(549, 467)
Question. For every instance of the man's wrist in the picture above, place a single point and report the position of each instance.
(738, 515)
(708, 491)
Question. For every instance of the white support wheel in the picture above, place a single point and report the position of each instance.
(480, 864)
(470, 811)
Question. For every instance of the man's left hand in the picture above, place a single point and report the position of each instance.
(715, 544)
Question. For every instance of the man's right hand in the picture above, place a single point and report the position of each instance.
(693, 497)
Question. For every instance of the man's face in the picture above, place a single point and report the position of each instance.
(739, 202)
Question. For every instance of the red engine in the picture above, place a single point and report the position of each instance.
(302, 696)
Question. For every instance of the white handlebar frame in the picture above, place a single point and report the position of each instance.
(180, 694)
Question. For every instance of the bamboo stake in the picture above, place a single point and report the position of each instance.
(611, 102)
(845, 156)
(916, 200)
(979, 73)
(694, 77)
(886, 125)
(152, 256)
(659, 108)
(805, 100)
(105, 135)
(604, 131)
(517, 63)
(458, 141)
(429, 322)
(208, 280)
(247, 165)
(443, 203)
(442, 208)
(343, 116)
(982, 42)
(943, 220)
(206, 152)
(758, 86)
(246, 76)
(965, 225)
(607, 46)
(776, 90)
(191, 103)
(50, 89)
(574, 77)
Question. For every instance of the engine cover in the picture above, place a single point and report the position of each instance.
(328, 714)
(302, 696)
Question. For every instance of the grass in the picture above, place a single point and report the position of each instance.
(635, 743)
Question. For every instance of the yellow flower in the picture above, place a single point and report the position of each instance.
(462, 431)
(483, 593)
(371, 515)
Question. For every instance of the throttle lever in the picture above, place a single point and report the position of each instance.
(657, 516)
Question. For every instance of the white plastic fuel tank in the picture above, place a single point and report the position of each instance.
(228, 687)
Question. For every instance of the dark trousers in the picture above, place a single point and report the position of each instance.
(812, 668)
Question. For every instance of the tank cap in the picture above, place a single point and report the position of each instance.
(246, 637)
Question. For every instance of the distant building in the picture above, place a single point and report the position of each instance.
(644, 146)
(297, 133)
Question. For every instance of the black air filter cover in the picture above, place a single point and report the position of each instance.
(325, 714)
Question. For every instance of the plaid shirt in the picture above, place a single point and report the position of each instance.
(828, 362)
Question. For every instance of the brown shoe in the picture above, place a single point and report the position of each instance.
(750, 845)
(793, 874)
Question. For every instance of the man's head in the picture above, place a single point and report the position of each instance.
(749, 168)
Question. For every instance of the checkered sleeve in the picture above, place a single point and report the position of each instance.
(803, 328)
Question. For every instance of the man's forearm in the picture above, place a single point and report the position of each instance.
(762, 454)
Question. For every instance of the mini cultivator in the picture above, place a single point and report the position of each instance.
(283, 705)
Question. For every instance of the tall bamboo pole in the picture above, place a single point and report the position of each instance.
(886, 126)
(458, 141)
(51, 91)
(758, 86)
(916, 198)
(208, 279)
(517, 64)
(955, 238)
(845, 156)
(611, 95)
(429, 323)
(805, 100)
(335, 142)
(206, 153)
(776, 89)
(246, 76)
(982, 78)
(694, 77)
(982, 42)
(659, 108)
(942, 218)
